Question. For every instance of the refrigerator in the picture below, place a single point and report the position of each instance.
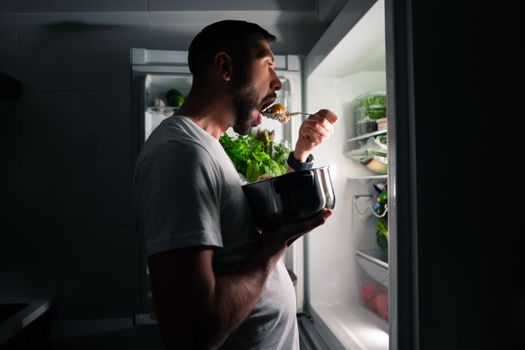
(340, 267)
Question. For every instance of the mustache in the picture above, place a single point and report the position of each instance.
(270, 97)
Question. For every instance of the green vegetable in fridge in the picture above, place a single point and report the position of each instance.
(382, 197)
(256, 155)
(371, 106)
(174, 98)
(382, 234)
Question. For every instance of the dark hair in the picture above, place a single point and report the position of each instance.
(237, 38)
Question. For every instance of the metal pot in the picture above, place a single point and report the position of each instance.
(291, 197)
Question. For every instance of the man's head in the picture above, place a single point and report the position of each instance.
(240, 52)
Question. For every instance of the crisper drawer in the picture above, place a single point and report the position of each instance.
(373, 278)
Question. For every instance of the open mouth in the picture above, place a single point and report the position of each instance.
(267, 104)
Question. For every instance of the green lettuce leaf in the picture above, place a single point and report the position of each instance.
(255, 155)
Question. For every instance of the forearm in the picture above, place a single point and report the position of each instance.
(198, 310)
(237, 293)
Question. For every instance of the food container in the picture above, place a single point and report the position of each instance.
(373, 279)
(382, 124)
(291, 197)
(378, 165)
(367, 109)
(365, 126)
(372, 154)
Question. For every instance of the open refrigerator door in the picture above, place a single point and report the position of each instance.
(348, 289)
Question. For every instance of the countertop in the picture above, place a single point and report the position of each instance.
(17, 318)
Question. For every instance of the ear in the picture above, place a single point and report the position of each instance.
(223, 66)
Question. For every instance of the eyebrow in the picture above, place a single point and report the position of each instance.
(265, 52)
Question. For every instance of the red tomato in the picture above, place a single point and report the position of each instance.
(372, 305)
(368, 291)
(381, 303)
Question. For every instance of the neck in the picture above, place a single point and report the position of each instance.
(210, 109)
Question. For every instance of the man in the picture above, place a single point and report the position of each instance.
(217, 280)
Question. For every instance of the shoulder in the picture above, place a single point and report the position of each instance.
(186, 159)
(178, 149)
(182, 139)
(184, 150)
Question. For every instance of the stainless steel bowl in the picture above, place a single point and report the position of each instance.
(290, 197)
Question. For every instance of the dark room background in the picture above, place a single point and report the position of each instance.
(68, 230)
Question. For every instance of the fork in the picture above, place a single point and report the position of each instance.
(279, 116)
(299, 113)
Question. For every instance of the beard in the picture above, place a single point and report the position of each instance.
(244, 103)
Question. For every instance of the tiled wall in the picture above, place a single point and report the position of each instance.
(67, 224)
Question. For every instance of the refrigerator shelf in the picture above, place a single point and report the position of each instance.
(166, 112)
(374, 256)
(369, 177)
(365, 136)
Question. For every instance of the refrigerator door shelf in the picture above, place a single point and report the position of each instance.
(369, 177)
(373, 280)
(350, 326)
(365, 136)
(373, 265)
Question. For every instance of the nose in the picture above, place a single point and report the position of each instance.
(276, 84)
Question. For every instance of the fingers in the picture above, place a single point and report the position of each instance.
(320, 123)
(319, 120)
(328, 114)
(319, 219)
(315, 132)
(293, 231)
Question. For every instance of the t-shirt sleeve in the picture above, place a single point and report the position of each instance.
(179, 198)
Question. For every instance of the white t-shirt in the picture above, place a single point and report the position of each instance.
(187, 193)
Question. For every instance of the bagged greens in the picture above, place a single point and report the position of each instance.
(372, 154)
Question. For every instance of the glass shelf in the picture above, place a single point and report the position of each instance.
(375, 256)
(365, 136)
(369, 177)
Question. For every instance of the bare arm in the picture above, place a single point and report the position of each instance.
(198, 310)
